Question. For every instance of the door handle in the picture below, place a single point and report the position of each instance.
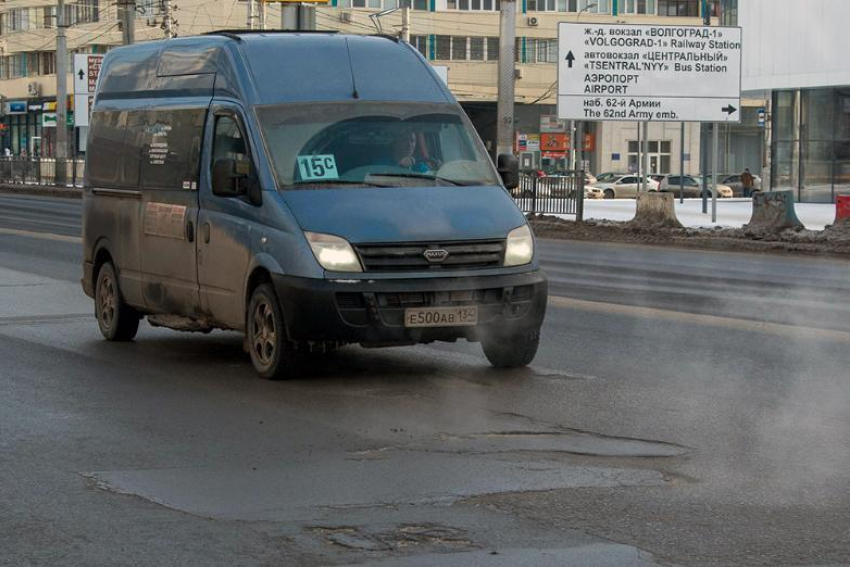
(206, 233)
(190, 231)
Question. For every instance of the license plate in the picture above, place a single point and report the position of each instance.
(441, 317)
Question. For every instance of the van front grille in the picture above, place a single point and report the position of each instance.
(412, 257)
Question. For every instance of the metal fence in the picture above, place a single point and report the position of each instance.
(553, 194)
(40, 171)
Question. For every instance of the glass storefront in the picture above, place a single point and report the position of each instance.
(811, 143)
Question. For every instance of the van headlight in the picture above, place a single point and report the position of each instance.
(520, 247)
(333, 253)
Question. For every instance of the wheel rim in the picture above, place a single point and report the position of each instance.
(264, 333)
(106, 303)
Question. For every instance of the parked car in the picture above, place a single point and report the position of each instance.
(609, 176)
(230, 186)
(692, 187)
(733, 180)
(625, 187)
(723, 191)
(673, 184)
(593, 193)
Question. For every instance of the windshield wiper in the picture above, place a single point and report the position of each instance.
(416, 176)
(304, 184)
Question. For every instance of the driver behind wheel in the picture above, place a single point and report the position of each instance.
(404, 153)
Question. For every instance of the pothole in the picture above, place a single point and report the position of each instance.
(409, 536)
(563, 441)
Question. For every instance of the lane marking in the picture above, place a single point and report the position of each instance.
(700, 319)
(41, 235)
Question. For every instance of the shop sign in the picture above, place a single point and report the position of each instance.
(34, 107)
(549, 123)
(19, 107)
(554, 142)
(48, 119)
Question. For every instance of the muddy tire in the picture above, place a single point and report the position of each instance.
(117, 320)
(513, 351)
(608, 193)
(273, 355)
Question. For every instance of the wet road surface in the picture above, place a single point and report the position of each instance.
(685, 408)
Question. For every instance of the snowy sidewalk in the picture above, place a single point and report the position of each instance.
(733, 213)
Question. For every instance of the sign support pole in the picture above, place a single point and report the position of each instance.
(715, 136)
(682, 164)
(645, 157)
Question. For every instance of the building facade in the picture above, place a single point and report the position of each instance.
(461, 35)
(799, 64)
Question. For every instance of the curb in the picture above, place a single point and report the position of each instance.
(46, 191)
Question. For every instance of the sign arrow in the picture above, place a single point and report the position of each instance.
(81, 75)
(729, 109)
(570, 59)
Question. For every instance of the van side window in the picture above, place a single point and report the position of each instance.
(228, 142)
(169, 143)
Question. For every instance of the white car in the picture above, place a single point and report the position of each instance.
(625, 187)
(591, 192)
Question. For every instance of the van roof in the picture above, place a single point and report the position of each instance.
(268, 67)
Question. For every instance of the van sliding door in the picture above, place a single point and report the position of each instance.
(169, 183)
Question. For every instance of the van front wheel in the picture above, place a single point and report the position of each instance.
(512, 351)
(117, 320)
(272, 354)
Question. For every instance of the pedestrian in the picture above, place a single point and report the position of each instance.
(7, 152)
(747, 182)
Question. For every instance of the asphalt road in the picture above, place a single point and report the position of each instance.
(685, 408)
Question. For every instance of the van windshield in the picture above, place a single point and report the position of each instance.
(373, 144)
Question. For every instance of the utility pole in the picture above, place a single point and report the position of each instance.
(405, 24)
(507, 56)
(167, 19)
(261, 9)
(127, 10)
(250, 7)
(61, 95)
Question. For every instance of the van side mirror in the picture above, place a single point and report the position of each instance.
(226, 174)
(233, 178)
(508, 168)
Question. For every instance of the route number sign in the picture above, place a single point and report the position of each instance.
(649, 73)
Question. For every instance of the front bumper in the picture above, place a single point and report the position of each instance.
(371, 312)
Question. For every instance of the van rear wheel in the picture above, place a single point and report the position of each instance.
(512, 351)
(117, 320)
(273, 355)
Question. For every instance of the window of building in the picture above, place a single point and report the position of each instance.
(443, 47)
(379, 4)
(476, 48)
(47, 63)
(420, 43)
(86, 11)
(458, 48)
(464, 48)
(658, 156)
(729, 12)
(492, 49)
(13, 66)
(573, 6)
(679, 8)
(541, 50)
(473, 5)
(637, 6)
